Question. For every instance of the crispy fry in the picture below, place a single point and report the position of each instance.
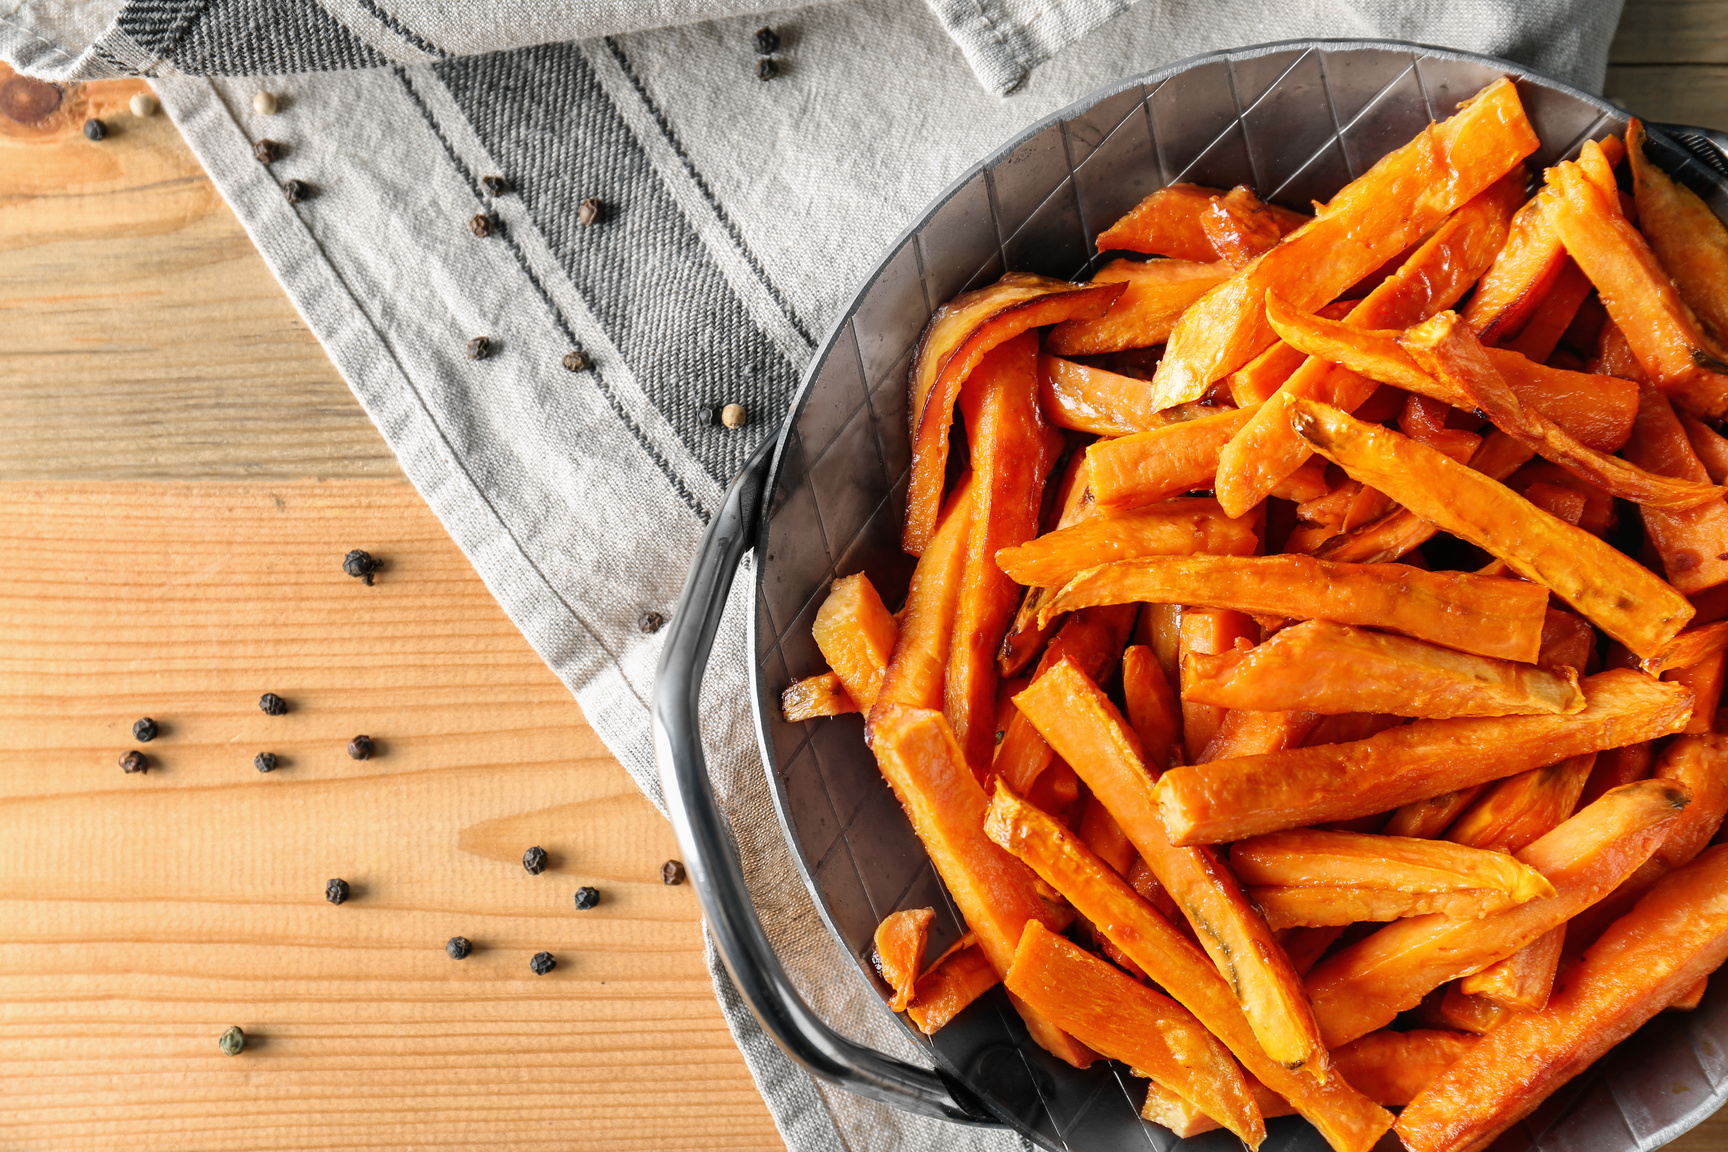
(1291, 906)
(1363, 987)
(1170, 528)
(1331, 668)
(1090, 399)
(1689, 1000)
(1232, 799)
(1485, 615)
(1407, 194)
(1305, 946)
(900, 941)
(1026, 638)
(1615, 767)
(856, 635)
(1125, 1020)
(814, 697)
(1344, 1117)
(1523, 981)
(1245, 733)
(1158, 291)
(961, 976)
(1147, 467)
(1092, 639)
(1168, 223)
(958, 336)
(1520, 809)
(1619, 595)
(1705, 679)
(915, 671)
(1392, 1067)
(1690, 243)
(1100, 832)
(1240, 226)
(1317, 859)
(1209, 630)
(1692, 542)
(1428, 818)
(1152, 707)
(1087, 731)
(1709, 446)
(1476, 1014)
(1553, 316)
(1676, 935)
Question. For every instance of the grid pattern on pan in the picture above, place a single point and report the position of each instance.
(1296, 123)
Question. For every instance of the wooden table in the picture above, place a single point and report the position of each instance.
(181, 471)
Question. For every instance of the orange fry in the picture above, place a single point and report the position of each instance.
(1519, 810)
(1169, 528)
(1153, 711)
(1208, 630)
(1092, 639)
(1158, 292)
(1244, 733)
(1168, 223)
(1692, 542)
(1090, 399)
(1690, 647)
(1240, 226)
(1553, 316)
(1427, 819)
(1392, 1067)
(1490, 616)
(1150, 466)
(1524, 980)
(916, 670)
(1025, 638)
(900, 940)
(856, 635)
(1689, 240)
(814, 697)
(1313, 858)
(961, 976)
(1231, 799)
(1291, 906)
(1333, 669)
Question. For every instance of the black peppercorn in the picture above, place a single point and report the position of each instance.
(360, 565)
(480, 224)
(574, 361)
(144, 730)
(479, 348)
(134, 761)
(272, 704)
(534, 860)
(766, 68)
(650, 622)
(297, 190)
(542, 963)
(232, 1042)
(264, 761)
(360, 748)
(672, 872)
(336, 891)
(457, 947)
(767, 42)
(95, 129)
(587, 898)
(268, 151)
(588, 211)
(495, 185)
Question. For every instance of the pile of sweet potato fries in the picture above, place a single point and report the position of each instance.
(1307, 689)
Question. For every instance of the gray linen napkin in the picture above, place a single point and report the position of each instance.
(737, 216)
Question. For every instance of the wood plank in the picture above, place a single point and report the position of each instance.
(146, 913)
(1672, 93)
(1671, 32)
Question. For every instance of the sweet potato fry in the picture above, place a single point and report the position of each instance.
(1616, 593)
(1312, 858)
(1150, 466)
(959, 977)
(1261, 377)
(1240, 226)
(1290, 906)
(1689, 240)
(1677, 934)
(1092, 639)
(900, 941)
(1246, 733)
(1474, 1014)
(915, 671)
(1521, 809)
(1176, 527)
(1344, 1116)
(1208, 630)
(1090, 399)
(1709, 446)
(1168, 223)
(1689, 1000)
(1158, 291)
(1392, 1067)
(958, 336)
(1100, 832)
(1524, 980)
(996, 894)
(856, 635)
(815, 696)
(1231, 799)
(1153, 711)
(1331, 668)
(1485, 615)
(1404, 196)
(1362, 988)
(1305, 946)
(1615, 767)
(1705, 679)
(1124, 1020)
(1428, 818)
(1692, 542)
(1086, 730)
(1166, 1108)
(1026, 638)
(1553, 316)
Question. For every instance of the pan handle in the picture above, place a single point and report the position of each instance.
(708, 855)
(1709, 146)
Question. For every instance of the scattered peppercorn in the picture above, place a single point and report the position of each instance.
(360, 748)
(297, 190)
(134, 761)
(268, 151)
(574, 361)
(272, 704)
(94, 129)
(457, 947)
(264, 103)
(672, 872)
(704, 415)
(336, 891)
(264, 761)
(767, 41)
(733, 415)
(144, 730)
(232, 1042)
(143, 104)
(588, 211)
(766, 68)
(650, 622)
(479, 348)
(495, 185)
(542, 963)
(360, 565)
(534, 860)
(480, 224)
(587, 898)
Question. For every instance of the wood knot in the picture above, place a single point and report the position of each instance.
(25, 100)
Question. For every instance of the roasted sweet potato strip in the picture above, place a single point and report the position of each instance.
(1404, 196)
(1615, 767)
(1710, 446)
(1311, 857)
(1345, 1117)
(1485, 615)
(1239, 226)
(900, 941)
(1176, 527)
(1553, 316)
(1677, 934)
(1150, 466)
(1521, 809)
(1026, 637)
(1210, 631)
(1619, 595)
(1427, 819)
(1689, 240)
(1086, 730)
(1392, 1067)
(1705, 679)
(856, 634)
(1305, 946)
(1231, 799)
(1692, 542)
(1093, 640)
(961, 976)
(1474, 1014)
(1153, 710)
(1089, 399)
(814, 697)
(1362, 988)
(916, 670)
(1524, 980)
(1158, 291)
(1124, 1020)
(1100, 832)
(1248, 733)
(1333, 669)
(1167, 223)
(1289, 906)
(958, 336)
(995, 893)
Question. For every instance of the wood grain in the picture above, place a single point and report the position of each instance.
(1669, 61)
(146, 913)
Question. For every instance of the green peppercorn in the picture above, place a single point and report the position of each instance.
(232, 1042)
